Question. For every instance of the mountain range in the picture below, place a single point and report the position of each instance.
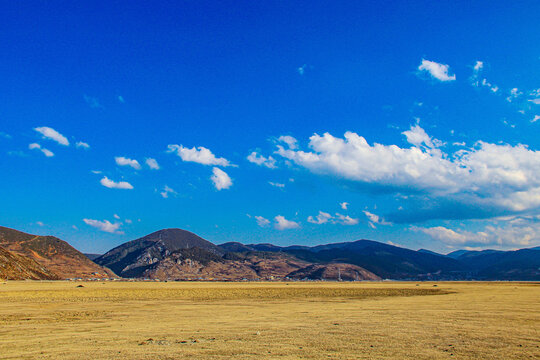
(176, 254)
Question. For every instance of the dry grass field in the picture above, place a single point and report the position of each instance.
(147, 320)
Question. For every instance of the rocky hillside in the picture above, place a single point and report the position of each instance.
(16, 267)
(133, 258)
(53, 254)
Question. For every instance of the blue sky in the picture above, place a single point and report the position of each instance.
(257, 121)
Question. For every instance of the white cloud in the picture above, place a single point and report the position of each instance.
(200, 155)
(535, 101)
(289, 140)
(418, 137)
(376, 219)
(260, 160)
(536, 118)
(514, 93)
(166, 191)
(96, 171)
(51, 134)
(116, 216)
(220, 179)
(302, 69)
(344, 205)
(36, 146)
(436, 70)
(261, 221)
(322, 218)
(115, 185)
(40, 223)
(105, 225)
(278, 185)
(82, 144)
(345, 219)
(152, 163)
(487, 175)
(284, 224)
(479, 65)
(123, 161)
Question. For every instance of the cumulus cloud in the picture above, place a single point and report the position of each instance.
(200, 155)
(105, 225)
(51, 134)
(167, 191)
(220, 179)
(344, 205)
(152, 163)
(260, 160)
(284, 224)
(36, 146)
(487, 175)
(115, 185)
(436, 70)
(82, 144)
(513, 232)
(536, 118)
(123, 161)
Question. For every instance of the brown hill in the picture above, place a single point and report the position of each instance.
(201, 264)
(336, 271)
(56, 255)
(16, 267)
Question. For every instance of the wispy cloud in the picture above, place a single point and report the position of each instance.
(278, 185)
(324, 217)
(167, 191)
(115, 185)
(260, 160)
(36, 146)
(92, 102)
(51, 134)
(82, 144)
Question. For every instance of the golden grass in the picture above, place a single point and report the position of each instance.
(140, 320)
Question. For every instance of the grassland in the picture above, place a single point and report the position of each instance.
(59, 320)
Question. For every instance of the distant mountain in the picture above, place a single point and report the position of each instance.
(92, 256)
(384, 260)
(425, 251)
(55, 255)
(502, 265)
(16, 267)
(133, 258)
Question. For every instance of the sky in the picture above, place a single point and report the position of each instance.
(413, 123)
